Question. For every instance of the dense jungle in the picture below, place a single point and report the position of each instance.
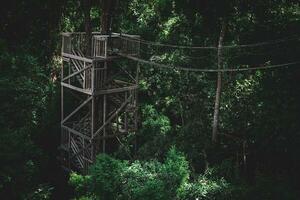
(231, 134)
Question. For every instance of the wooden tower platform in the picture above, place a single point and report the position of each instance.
(98, 96)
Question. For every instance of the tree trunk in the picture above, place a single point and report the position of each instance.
(219, 84)
(87, 26)
(107, 14)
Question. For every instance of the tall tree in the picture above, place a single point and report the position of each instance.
(108, 7)
(219, 82)
(87, 25)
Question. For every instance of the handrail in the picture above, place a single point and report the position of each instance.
(113, 116)
(75, 73)
(78, 108)
(77, 57)
(108, 121)
(75, 148)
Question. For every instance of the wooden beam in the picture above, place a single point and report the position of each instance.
(85, 91)
(78, 108)
(74, 74)
(116, 90)
(104, 121)
(112, 116)
(76, 132)
(77, 57)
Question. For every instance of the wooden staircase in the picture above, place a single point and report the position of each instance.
(108, 99)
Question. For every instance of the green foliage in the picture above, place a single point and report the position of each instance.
(80, 183)
(114, 179)
(43, 192)
(206, 188)
(141, 181)
(258, 131)
(175, 172)
(24, 92)
(154, 131)
(154, 123)
(105, 176)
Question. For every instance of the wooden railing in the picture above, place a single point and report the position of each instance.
(66, 43)
(103, 46)
(129, 45)
(100, 77)
(65, 136)
(79, 73)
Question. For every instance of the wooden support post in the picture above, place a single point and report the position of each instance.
(104, 120)
(69, 150)
(93, 99)
(105, 48)
(69, 69)
(62, 95)
(125, 115)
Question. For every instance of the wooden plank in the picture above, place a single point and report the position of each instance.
(74, 74)
(62, 94)
(76, 132)
(85, 91)
(108, 58)
(127, 35)
(122, 82)
(104, 122)
(77, 57)
(66, 59)
(116, 90)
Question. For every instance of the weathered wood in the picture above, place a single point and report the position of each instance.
(62, 94)
(107, 121)
(85, 137)
(75, 73)
(104, 120)
(84, 59)
(85, 91)
(76, 132)
(116, 90)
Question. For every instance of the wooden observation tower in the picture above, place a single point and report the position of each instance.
(98, 96)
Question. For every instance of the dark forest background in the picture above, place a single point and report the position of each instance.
(256, 155)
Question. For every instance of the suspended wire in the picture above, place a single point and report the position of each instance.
(260, 50)
(146, 52)
(263, 43)
(163, 45)
(206, 70)
(147, 42)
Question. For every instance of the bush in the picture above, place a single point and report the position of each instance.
(105, 177)
(205, 188)
(80, 183)
(149, 180)
(142, 181)
(114, 179)
(42, 192)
